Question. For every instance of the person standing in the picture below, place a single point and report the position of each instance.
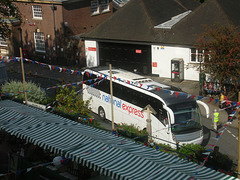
(221, 100)
(215, 119)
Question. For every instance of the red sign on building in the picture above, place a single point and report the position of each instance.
(138, 51)
(154, 64)
(91, 48)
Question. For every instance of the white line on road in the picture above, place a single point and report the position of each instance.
(232, 134)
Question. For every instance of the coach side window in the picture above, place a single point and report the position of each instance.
(104, 86)
(89, 78)
(142, 100)
(119, 91)
(85, 77)
(163, 116)
(126, 94)
(158, 107)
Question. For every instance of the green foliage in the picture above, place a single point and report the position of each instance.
(91, 122)
(34, 94)
(8, 12)
(132, 131)
(191, 150)
(221, 45)
(219, 161)
(165, 148)
(47, 100)
(69, 102)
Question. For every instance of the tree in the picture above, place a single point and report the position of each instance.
(69, 101)
(15, 90)
(8, 12)
(221, 45)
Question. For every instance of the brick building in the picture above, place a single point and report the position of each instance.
(50, 29)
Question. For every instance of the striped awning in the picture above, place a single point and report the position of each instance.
(99, 150)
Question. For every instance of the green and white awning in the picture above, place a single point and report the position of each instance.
(99, 150)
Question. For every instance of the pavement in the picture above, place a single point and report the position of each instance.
(54, 76)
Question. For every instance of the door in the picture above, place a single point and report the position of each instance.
(175, 73)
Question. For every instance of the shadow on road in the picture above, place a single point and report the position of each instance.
(206, 136)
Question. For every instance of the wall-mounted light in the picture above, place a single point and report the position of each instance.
(54, 8)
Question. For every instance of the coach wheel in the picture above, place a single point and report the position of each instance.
(101, 113)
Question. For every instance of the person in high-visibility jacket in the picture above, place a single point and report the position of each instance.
(215, 119)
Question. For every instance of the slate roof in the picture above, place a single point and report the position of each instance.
(136, 21)
(212, 12)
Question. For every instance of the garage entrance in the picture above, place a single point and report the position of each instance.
(126, 56)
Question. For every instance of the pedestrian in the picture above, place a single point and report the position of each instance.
(214, 158)
(221, 100)
(215, 119)
(210, 88)
(35, 74)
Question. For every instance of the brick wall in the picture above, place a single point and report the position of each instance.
(70, 19)
(79, 19)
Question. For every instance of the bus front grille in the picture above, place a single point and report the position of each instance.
(188, 136)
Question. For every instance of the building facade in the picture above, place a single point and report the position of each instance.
(49, 29)
(158, 37)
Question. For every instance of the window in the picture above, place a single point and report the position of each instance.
(94, 7)
(196, 55)
(3, 42)
(39, 41)
(104, 86)
(37, 12)
(104, 5)
(163, 116)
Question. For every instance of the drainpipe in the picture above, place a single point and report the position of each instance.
(54, 8)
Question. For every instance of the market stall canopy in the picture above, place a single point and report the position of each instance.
(99, 150)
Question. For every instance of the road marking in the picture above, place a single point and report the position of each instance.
(232, 134)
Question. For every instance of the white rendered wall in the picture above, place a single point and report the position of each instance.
(91, 52)
(161, 61)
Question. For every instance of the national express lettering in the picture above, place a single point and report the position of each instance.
(123, 106)
(132, 110)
